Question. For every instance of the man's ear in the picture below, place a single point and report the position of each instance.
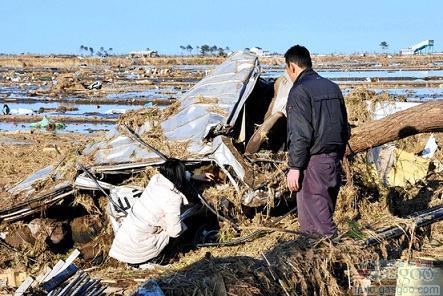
(292, 68)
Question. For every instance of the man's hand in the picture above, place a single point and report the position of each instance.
(207, 177)
(294, 180)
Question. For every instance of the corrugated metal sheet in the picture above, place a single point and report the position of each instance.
(25, 186)
(225, 89)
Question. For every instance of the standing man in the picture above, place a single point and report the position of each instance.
(317, 136)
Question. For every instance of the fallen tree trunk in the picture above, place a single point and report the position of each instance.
(424, 118)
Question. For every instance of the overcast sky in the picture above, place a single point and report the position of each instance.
(61, 26)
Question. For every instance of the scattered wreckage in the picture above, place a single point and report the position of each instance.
(214, 127)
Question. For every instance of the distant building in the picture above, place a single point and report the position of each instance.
(419, 48)
(143, 54)
(259, 51)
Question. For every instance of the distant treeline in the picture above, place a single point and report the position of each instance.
(205, 50)
(101, 52)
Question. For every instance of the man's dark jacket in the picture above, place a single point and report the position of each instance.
(317, 119)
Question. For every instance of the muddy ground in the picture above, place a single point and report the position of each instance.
(21, 153)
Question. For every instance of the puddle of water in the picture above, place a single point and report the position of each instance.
(411, 94)
(83, 109)
(193, 68)
(415, 94)
(131, 76)
(70, 127)
(21, 91)
(367, 74)
(381, 74)
(12, 91)
(163, 93)
(11, 141)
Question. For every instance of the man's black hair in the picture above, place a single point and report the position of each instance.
(299, 55)
(175, 171)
